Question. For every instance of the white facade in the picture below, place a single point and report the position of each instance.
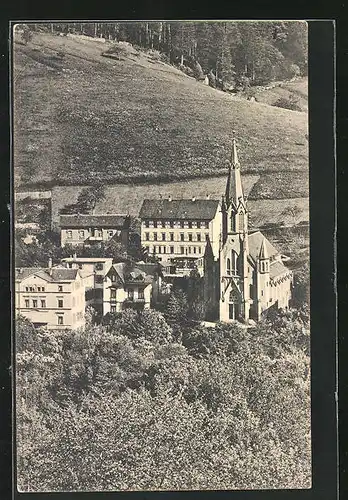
(53, 304)
(182, 239)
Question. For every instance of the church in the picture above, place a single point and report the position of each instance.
(248, 277)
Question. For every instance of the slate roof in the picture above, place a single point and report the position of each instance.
(58, 273)
(149, 268)
(277, 268)
(116, 221)
(127, 273)
(255, 242)
(179, 209)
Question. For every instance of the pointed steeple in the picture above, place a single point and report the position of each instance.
(234, 155)
(234, 189)
(263, 254)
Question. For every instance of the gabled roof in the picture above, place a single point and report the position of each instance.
(150, 268)
(116, 221)
(86, 260)
(277, 268)
(128, 273)
(179, 209)
(57, 273)
(255, 242)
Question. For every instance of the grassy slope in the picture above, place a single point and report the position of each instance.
(136, 118)
(298, 88)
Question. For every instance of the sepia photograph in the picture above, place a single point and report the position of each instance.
(161, 240)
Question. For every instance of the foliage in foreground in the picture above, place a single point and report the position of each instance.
(121, 408)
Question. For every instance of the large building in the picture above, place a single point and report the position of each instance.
(52, 297)
(249, 276)
(176, 231)
(134, 286)
(88, 230)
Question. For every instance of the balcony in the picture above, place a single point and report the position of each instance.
(95, 238)
(135, 300)
(132, 303)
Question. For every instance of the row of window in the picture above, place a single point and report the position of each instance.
(170, 250)
(35, 288)
(98, 233)
(172, 224)
(35, 303)
(189, 237)
(130, 294)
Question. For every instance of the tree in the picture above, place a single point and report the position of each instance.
(26, 34)
(195, 296)
(177, 307)
(89, 197)
(148, 324)
(301, 289)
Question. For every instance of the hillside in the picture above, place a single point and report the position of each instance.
(79, 116)
(297, 89)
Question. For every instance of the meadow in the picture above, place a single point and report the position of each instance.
(81, 117)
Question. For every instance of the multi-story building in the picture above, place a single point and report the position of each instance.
(249, 276)
(93, 270)
(52, 297)
(176, 231)
(134, 286)
(87, 230)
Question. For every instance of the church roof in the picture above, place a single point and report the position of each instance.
(255, 241)
(277, 268)
(179, 209)
(99, 220)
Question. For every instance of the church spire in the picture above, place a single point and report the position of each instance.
(234, 189)
(234, 155)
(263, 254)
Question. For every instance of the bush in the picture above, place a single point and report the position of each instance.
(291, 103)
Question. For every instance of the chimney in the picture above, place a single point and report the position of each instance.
(50, 266)
(170, 197)
(193, 198)
(208, 196)
(75, 255)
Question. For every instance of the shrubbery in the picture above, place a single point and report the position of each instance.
(128, 406)
(288, 103)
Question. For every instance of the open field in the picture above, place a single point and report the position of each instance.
(79, 116)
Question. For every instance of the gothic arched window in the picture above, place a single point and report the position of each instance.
(228, 266)
(234, 262)
(233, 223)
(241, 221)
